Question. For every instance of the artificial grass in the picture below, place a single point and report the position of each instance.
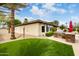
(35, 47)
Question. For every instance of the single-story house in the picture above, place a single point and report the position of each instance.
(34, 28)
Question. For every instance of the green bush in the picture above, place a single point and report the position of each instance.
(74, 29)
(54, 29)
(49, 33)
(62, 27)
(36, 47)
(78, 30)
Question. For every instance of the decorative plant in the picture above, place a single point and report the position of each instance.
(70, 27)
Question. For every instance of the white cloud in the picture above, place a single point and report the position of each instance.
(62, 11)
(48, 5)
(51, 7)
(59, 10)
(35, 10)
(46, 9)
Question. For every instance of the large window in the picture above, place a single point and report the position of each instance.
(43, 28)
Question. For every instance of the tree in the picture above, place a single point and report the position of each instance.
(25, 21)
(74, 28)
(78, 29)
(55, 22)
(53, 29)
(12, 7)
(62, 27)
(16, 23)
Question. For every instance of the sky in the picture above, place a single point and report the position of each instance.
(63, 12)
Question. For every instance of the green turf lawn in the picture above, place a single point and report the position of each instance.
(35, 47)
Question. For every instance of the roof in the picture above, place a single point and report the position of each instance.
(38, 21)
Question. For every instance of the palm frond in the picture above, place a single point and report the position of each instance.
(14, 6)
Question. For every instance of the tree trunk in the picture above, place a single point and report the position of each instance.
(8, 29)
(12, 24)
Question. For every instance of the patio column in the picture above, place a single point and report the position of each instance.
(45, 28)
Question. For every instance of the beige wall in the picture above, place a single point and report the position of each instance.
(32, 29)
(19, 29)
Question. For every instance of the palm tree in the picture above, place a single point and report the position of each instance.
(13, 7)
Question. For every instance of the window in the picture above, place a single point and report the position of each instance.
(43, 28)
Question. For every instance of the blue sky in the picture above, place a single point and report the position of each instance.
(63, 12)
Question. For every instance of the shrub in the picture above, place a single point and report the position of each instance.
(49, 33)
(78, 30)
(74, 29)
(54, 29)
(62, 27)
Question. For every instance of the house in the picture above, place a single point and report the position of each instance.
(34, 28)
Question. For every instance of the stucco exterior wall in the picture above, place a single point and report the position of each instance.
(19, 29)
(31, 29)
